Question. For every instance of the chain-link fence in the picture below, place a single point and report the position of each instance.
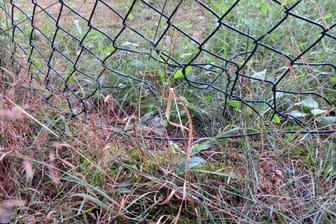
(273, 60)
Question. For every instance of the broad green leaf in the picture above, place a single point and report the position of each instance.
(122, 190)
(147, 116)
(283, 3)
(208, 98)
(276, 119)
(297, 113)
(274, 35)
(317, 111)
(264, 8)
(332, 79)
(200, 147)
(328, 16)
(130, 16)
(93, 35)
(235, 104)
(129, 44)
(326, 120)
(161, 75)
(258, 75)
(192, 162)
(278, 95)
(186, 55)
(179, 74)
(173, 147)
(122, 85)
(221, 174)
(94, 200)
(108, 50)
(216, 5)
(308, 102)
(188, 69)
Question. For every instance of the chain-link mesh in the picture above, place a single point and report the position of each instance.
(263, 59)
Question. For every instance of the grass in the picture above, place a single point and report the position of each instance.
(104, 169)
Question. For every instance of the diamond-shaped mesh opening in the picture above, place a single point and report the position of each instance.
(198, 23)
(142, 14)
(103, 13)
(73, 24)
(249, 17)
(230, 45)
(290, 39)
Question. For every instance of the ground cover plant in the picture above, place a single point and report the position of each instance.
(152, 146)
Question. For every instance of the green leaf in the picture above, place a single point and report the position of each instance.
(208, 98)
(221, 174)
(186, 55)
(216, 6)
(286, 2)
(326, 120)
(332, 79)
(192, 162)
(45, 28)
(235, 104)
(274, 35)
(179, 74)
(173, 147)
(130, 16)
(283, 2)
(276, 119)
(93, 35)
(328, 16)
(161, 75)
(264, 8)
(108, 50)
(200, 147)
(188, 69)
(297, 114)
(308, 102)
(317, 111)
(258, 75)
(278, 95)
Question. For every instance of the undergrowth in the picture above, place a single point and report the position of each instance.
(73, 172)
(105, 168)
